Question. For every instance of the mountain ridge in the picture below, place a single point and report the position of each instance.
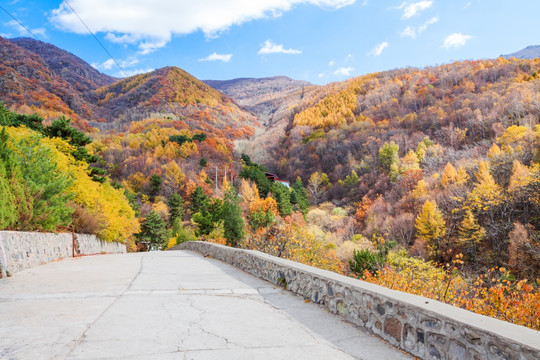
(66, 65)
(263, 96)
(39, 77)
(530, 52)
(27, 81)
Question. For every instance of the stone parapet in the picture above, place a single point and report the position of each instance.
(21, 250)
(422, 327)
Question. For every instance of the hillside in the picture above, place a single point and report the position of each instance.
(66, 65)
(459, 135)
(39, 77)
(530, 52)
(170, 91)
(29, 85)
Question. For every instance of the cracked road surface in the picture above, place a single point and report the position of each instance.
(167, 305)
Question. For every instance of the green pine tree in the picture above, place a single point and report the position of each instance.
(208, 217)
(282, 195)
(388, 155)
(198, 200)
(176, 208)
(260, 219)
(155, 185)
(299, 193)
(153, 231)
(8, 213)
(255, 173)
(46, 185)
(233, 221)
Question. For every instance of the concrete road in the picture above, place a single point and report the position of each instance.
(167, 305)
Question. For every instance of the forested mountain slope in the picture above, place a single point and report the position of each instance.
(460, 140)
(39, 77)
(28, 84)
(169, 90)
(67, 66)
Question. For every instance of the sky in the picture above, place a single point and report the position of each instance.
(319, 41)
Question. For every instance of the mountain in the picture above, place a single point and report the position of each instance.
(263, 96)
(29, 85)
(460, 106)
(168, 90)
(67, 66)
(530, 52)
(42, 78)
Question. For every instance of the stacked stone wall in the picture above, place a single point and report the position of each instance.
(422, 327)
(21, 250)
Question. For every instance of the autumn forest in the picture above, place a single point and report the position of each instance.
(421, 180)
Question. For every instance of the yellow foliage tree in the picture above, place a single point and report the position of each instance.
(249, 193)
(409, 162)
(486, 193)
(174, 177)
(449, 175)
(462, 176)
(109, 205)
(161, 209)
(520, 175)
(494, 151)
(431, 227)
(420, 190)
(471, 235)
(513, 134)
(264, 205)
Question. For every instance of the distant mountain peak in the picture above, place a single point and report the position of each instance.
(64, 64)
(530, 52)
(262, 96)
(38, 76)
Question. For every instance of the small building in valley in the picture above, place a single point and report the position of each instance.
(274, 178)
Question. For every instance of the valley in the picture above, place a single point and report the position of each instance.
(424, 180)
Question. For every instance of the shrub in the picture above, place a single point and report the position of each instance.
(363, 260)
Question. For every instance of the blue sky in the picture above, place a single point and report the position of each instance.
(315, 40)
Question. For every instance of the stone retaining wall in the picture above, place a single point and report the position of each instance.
(423, 327)
(21, 250)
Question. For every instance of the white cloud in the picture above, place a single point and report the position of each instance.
(411, 31)
(408, 32)
(321, 75)
(121, 39)
(270, 48)
(466, 6)
(431, 21)
(128, 73)
(348, 58)
(344, 71)
(106, 65)
(109, 64)
(151, 24)
(23, 32)
(365, 3)
(148, 47)
(456, 40)
(217, 57)
(410, 10)
(331, 63)
(377, 50)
